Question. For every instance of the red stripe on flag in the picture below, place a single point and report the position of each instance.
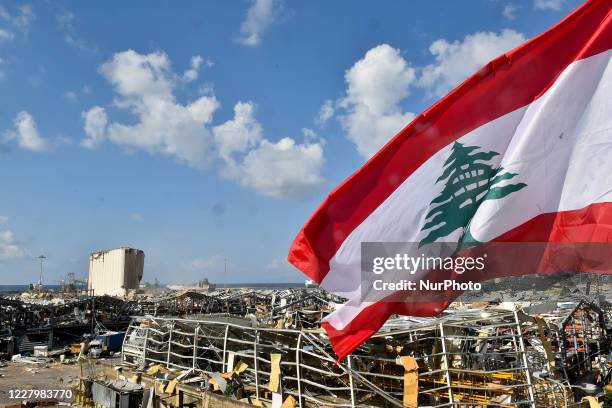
(371, 319)
(589, 224)
(592, 223)
(505, 84)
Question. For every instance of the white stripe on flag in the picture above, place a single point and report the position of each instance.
(553, 144)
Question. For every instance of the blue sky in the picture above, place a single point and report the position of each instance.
(199, 131)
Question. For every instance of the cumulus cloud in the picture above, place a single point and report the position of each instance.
(96, 122)
(548, 4)
(239, 134)
(376, 84)
(9, 247)
(71, 96)
(6, 35)
(371, 112)
(20, 21)
(309, 134)
(325, 113)
(509, 11)
(259, 17)
(144, 85)
(282, 169)
(192, 73)
(25, 132)
(456, 61)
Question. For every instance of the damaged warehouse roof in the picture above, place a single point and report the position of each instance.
(266, 347)
(489, 356)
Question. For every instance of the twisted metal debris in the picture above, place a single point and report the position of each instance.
(485, 357)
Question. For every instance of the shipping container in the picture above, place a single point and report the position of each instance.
(111, 341)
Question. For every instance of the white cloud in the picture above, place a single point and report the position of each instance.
(260, 16)
(371, 113)
(144, 85)
(66, 27)
(282, 169)
(6, 35)
(3, 219)
(548, 4)
(206, 89)
(458, 60)
(71, 96)
(26, 133)
(325, 113)
(510, 11)
(376, 84)
(192, 73)
(370, 132)
(239, 134)
(309, 134)
(379, 80)
(96, 122)
(21, 21)
(9, 247)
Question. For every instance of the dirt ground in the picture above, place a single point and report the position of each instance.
(55, 376)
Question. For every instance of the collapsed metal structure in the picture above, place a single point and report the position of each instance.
(28, 322)
(479, 357)
(266, 347)
(295, 307)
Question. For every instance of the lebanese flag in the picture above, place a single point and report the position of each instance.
(537, 121)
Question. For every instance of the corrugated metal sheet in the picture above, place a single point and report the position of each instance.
(115, 271)
(116, 394)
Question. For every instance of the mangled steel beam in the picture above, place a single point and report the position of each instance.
(469, 358)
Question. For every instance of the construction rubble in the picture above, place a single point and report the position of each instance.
(43, 319)
(265, 348)
(241, 347)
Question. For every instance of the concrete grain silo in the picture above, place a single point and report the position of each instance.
(115, 272)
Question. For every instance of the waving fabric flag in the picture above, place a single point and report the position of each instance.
(536, 121)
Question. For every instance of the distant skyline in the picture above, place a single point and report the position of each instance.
(199, 131)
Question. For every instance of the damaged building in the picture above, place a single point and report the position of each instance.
(245, 347)
(115, 272)
(271, 355)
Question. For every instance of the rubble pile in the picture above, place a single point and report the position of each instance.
(42, 320)
(295, 308)
(485, 356)
(266, 348)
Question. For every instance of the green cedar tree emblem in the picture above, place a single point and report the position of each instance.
(468, 181)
